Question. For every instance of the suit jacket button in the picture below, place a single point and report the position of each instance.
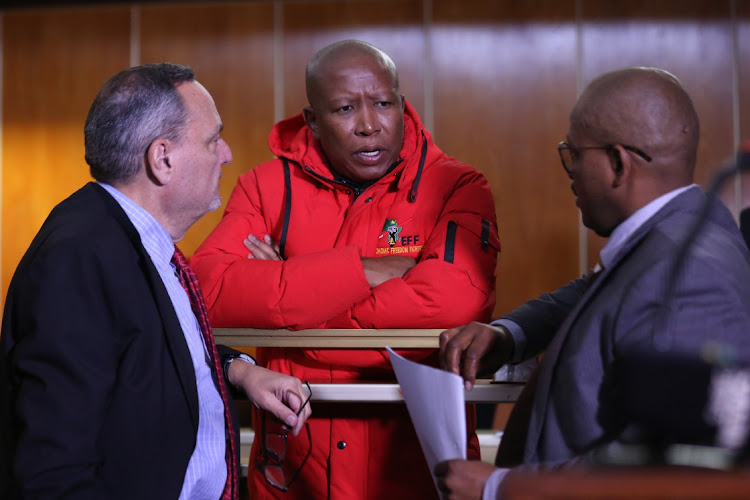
(341, 445)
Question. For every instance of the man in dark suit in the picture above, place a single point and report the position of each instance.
(112, 386)
(630, 154)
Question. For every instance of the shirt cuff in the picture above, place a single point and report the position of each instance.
(516, 373)
(491, 489)
(519, 338)
(242, 357)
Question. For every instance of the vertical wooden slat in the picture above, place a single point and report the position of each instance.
(743, 87)
(230, 47)
(503, 76)
(54, 62)
(504, 85)
(394, 26)
(690, 38)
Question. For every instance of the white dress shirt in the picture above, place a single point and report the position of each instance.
(206, 473)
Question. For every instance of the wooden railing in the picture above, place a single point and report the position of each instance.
(484, 391)
(332, 338)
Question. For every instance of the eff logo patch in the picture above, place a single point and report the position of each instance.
(393, 230)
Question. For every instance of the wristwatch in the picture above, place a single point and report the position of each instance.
(242, 357)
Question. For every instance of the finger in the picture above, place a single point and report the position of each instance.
(260, 249)
(481, 352)
(472, 355)
(270, 250)
(469, 367)
(441, 468)
(251, 244)
(298, 398)
(275, 246)
(248, 244)
(452, 345)
(442, 473)
(280, 411)
(301, 419)
(446, 335)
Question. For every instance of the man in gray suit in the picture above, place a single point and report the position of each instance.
(630, 154)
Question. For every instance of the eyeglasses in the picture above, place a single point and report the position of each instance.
(569, 154)
(274, 448)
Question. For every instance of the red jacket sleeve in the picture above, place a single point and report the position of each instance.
(452, 284)
(301, 292)
(454, 281)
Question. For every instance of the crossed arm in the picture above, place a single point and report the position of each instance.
(378, 270)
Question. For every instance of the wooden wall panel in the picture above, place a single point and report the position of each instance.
(230, 47)
(505, 81)
(54, 62)
(394, 26)
(743, 87)
(494, 81)
(691, 39)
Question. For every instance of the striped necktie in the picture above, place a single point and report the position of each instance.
(190, 283)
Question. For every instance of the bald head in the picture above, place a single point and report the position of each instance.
(646, 108)
(356, 110)
(337, 54)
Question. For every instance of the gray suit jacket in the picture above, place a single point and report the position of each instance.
(575, 407)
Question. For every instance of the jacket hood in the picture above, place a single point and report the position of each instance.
(292, 139)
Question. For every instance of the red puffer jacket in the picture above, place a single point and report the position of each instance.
(430, 207)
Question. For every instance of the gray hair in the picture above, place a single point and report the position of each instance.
(133, 108)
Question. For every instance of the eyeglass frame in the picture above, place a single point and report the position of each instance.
(563, 145)
(270, 458)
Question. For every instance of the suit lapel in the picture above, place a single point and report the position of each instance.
(175, 337)
(689, 198)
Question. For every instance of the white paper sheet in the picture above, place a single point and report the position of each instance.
(436, 404)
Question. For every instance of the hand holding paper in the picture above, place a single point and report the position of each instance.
(436, 405)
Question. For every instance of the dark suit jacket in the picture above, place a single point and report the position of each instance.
(745, 225)
(98, 390)
(575, 406)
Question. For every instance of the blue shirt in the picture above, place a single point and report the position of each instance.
(625, 230)
(207, 470)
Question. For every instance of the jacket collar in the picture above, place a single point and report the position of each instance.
(690, 199)
(175, 338)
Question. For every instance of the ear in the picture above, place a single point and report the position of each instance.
(308, 113)
(621, 165)
(158, 164)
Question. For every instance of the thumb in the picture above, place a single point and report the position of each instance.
(281, 411)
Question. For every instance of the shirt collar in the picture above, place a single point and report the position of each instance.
(154, 238)
(622, 233)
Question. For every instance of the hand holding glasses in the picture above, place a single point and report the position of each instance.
(274, 447)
